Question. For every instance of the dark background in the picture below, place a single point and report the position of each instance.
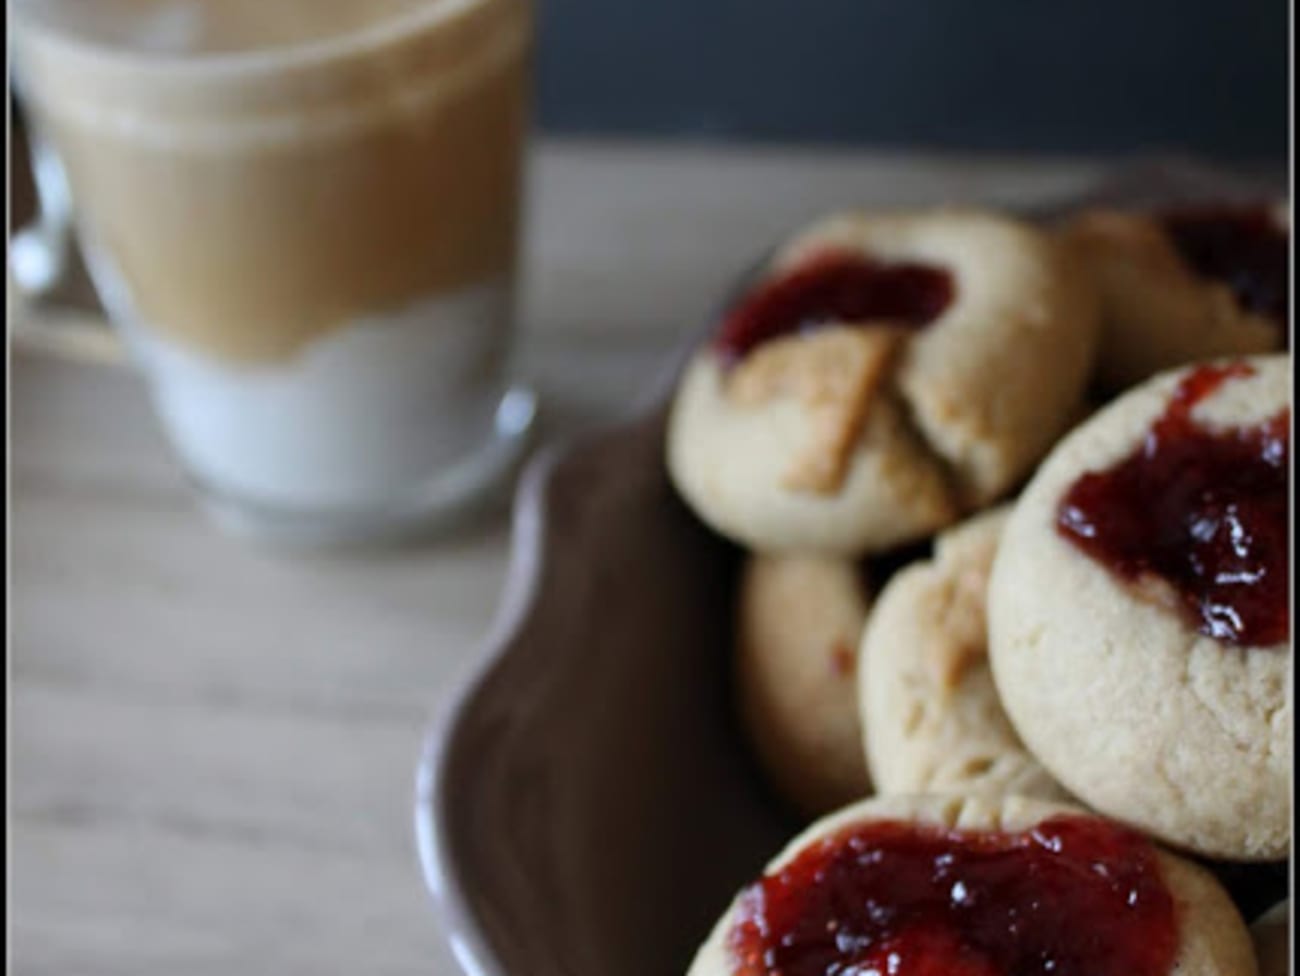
(1000, 75)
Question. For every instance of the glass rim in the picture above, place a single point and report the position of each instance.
(237, 63)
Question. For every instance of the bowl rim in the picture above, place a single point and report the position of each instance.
(525, 570)
(515, 604)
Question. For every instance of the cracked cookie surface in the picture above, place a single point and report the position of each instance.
(930, 713)
(907, 432)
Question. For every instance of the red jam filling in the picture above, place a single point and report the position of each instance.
(835, 286)
(1205, 511)
(1241, 246)
(1074, 896)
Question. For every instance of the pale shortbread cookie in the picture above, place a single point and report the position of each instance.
(858, 437)
(1156, 312)
(798, 623)
(1213, 940)
(732, 464)
(1272, 935)
(1128, 706)
(931, 718)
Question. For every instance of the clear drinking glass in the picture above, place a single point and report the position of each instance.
(302, 216)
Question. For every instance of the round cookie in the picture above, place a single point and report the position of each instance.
(1210, 936)
(798, 623)
(1158, 311)
(1271, 933)
(860, 423)
(1106, 666)
(931, 718)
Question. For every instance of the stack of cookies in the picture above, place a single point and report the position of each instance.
(1014, 623)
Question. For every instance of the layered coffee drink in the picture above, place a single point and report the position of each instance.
(303, 215)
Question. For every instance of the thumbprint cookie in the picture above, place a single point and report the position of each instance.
(1180, 286)
(1139, 622)
(976, 886)
(931, 718)
(882, 376)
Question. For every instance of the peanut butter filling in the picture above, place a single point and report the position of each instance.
(834, 372)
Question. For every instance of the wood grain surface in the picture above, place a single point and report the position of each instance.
(212, 746)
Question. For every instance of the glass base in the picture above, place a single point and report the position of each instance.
(446, 498)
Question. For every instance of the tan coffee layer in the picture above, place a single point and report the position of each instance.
(245, 233)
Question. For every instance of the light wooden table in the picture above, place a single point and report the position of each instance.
(212, 746)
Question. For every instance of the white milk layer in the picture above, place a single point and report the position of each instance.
(360, 418)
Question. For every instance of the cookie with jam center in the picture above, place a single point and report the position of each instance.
(885, 374)
(1138, 611)
(1179, 286)
(912, 885)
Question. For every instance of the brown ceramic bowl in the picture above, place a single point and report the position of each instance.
(586, 804)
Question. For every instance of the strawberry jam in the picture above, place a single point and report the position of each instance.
(1204, 511)
(835, 286)
(1074, 896)
(1243, 247)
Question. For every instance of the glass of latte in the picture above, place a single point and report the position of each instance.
(302, 216)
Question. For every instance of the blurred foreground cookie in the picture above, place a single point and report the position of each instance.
(799, 621)
(1138, 610)
(884, 375)
(1182, 286)
(931, 718)
(1272, 935)
(910, 886)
